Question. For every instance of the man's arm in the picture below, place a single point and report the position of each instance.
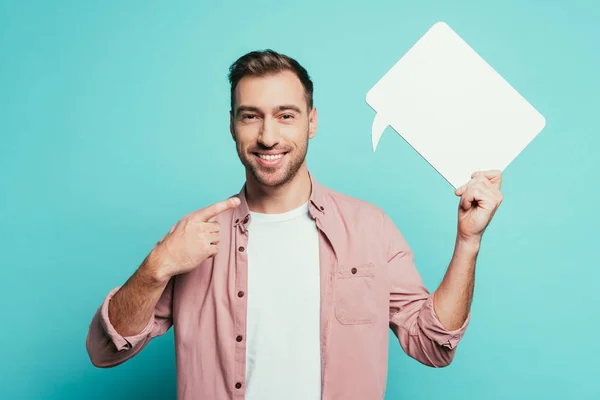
(452, 299)
(133, 305)
(412, 317)
(130, 317)
(479, 200)
(430, 326)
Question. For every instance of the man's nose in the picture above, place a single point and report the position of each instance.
(269, 135)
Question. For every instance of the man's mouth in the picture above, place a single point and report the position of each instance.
(270, 160)
(271, 157)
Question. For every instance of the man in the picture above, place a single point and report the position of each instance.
(287, 290)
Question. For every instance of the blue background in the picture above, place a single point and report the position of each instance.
(114, 124)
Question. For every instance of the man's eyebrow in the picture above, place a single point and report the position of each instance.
(247, 108)
(283, 107)
(289, 107)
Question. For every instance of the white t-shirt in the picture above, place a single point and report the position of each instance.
(283, 356)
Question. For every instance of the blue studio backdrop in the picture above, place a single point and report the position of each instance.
(114, 124)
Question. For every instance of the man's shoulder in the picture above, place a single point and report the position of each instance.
(348, 204)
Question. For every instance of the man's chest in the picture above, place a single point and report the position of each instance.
(283, 268)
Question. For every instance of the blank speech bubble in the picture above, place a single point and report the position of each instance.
(453, 108)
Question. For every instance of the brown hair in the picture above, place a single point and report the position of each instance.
(267, 62)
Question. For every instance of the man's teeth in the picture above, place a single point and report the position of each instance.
(270, 157)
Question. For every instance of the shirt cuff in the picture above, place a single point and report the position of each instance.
(122, 343)
(434, 329)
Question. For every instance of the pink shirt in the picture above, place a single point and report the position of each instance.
(369, 284)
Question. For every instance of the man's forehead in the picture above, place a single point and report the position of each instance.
(270, 90)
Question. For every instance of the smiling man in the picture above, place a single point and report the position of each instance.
(288, 289)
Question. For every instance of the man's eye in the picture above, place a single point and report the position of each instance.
(248, 116)
(287, 116)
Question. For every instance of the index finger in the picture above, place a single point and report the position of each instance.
(212, 211)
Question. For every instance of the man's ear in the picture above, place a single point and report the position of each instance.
(312, 123)
(231, 125)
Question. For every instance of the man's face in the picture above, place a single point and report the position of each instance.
(271, 125)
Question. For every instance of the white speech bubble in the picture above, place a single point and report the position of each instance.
(453, 108)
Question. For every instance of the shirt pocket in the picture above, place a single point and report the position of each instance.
(353, 293)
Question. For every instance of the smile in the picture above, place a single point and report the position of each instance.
(271, 157)
(270, 160)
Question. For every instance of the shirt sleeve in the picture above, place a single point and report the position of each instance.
(107, 348)
(412, 317)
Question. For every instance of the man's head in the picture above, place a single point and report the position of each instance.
(272, 115)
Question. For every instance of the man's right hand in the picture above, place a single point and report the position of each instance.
(190, 242)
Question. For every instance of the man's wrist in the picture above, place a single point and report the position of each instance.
(468, 245)
(151, 272)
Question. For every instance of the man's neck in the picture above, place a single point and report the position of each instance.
(280, 199)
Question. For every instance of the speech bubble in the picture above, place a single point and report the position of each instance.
(453, 108)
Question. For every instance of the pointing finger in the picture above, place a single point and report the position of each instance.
(209, 212)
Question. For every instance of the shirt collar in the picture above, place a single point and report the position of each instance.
(317, 207)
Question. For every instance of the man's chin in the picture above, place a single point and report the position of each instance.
(271, 178)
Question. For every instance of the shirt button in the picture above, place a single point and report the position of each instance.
(237, 220)
(238, 385)
(322, 208)
(239, 338)
(240, 294)
(246, 220)
(241, 248)
(354, 270)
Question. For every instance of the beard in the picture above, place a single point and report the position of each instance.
(278, 176)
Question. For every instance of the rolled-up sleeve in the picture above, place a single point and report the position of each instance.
(412, 316)
(107, 348)
(433, 328)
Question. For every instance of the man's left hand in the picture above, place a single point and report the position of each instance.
(480, 198)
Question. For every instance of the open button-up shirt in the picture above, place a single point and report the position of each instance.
(369, 284)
